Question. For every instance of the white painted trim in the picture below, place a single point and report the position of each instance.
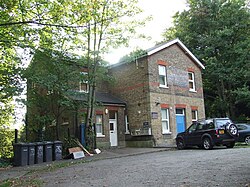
(100, 135)
(177, 41)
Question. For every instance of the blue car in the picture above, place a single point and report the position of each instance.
(244, 133)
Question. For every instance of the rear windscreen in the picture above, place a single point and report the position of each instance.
(221, 122)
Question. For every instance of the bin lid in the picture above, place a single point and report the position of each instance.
(31, 144)
(47, 143)
(57, 141)
(39, 143)
(20, 144)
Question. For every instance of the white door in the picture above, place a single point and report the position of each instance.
(113, 132)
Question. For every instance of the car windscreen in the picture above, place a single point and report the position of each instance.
(221, 122)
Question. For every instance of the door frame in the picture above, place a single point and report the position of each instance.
(113, 135)
(180, 115)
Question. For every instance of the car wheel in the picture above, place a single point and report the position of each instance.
(247, 140)
(231, 145)
(207, 144)
(180, 144)
(232, 130)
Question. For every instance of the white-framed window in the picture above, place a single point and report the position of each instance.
(163, 76)
(191, 81)
(194, 115)
(99, 126)
(83, 84)
(126, 125)
(165, 121)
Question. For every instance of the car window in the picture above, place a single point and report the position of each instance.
(221, 122)
(199, 126)
(192, 128)
(210, 125)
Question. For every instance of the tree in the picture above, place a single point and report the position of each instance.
(217, 32)
(138, 53)
(52, 78)
(108, 25)
(91, 27)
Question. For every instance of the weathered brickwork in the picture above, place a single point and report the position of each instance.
(137, 83)
(131, 85)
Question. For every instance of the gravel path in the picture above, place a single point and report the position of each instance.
(192, 167)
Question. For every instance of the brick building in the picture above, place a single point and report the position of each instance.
(152, 99)
(163, 91)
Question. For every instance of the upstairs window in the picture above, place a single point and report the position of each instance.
(163, 76)
(84, 87)
(83, 84)
(191, 81)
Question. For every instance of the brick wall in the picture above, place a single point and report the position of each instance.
(137, 83)
(131, 85)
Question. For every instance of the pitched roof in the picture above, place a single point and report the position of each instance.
(178, 42)
(107, 98)
(162, 46)
(104, 98)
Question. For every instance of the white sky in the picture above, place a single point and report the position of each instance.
(162, 12)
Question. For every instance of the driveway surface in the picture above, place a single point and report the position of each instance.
(192, 167)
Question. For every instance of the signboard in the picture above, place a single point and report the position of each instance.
(154, 115)
(145, 124)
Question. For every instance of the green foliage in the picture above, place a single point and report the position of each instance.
(91, 27)
(6, 138)
(138, 53)
(217, 32)
(52, 78)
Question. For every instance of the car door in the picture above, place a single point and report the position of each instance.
(190, 134)
(197, 134)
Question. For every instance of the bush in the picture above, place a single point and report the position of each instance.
(6, 138)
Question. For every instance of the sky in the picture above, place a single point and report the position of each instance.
(162, 12)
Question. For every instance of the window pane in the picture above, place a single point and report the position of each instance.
(98, 119)
(165, 120)
(164, 126)
(111, 114)
(162, 70)
(194, 115)
(179, 111)
(164, 114)
(111, 126)
(83, 86)
(98, 124)
(191, 85)
(162, 80)
(190, 76)
(99, 128)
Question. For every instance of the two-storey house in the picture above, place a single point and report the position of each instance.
(151, 99)
(163, 91)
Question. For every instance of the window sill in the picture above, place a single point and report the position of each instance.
(194, 91)
(100, 136)
(163, 86)
(83, 91)
(166, 133)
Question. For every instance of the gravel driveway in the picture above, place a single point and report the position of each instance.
(192, 167)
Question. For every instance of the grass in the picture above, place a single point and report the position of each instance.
(5, 163)
(241, 145)
(21, 181)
